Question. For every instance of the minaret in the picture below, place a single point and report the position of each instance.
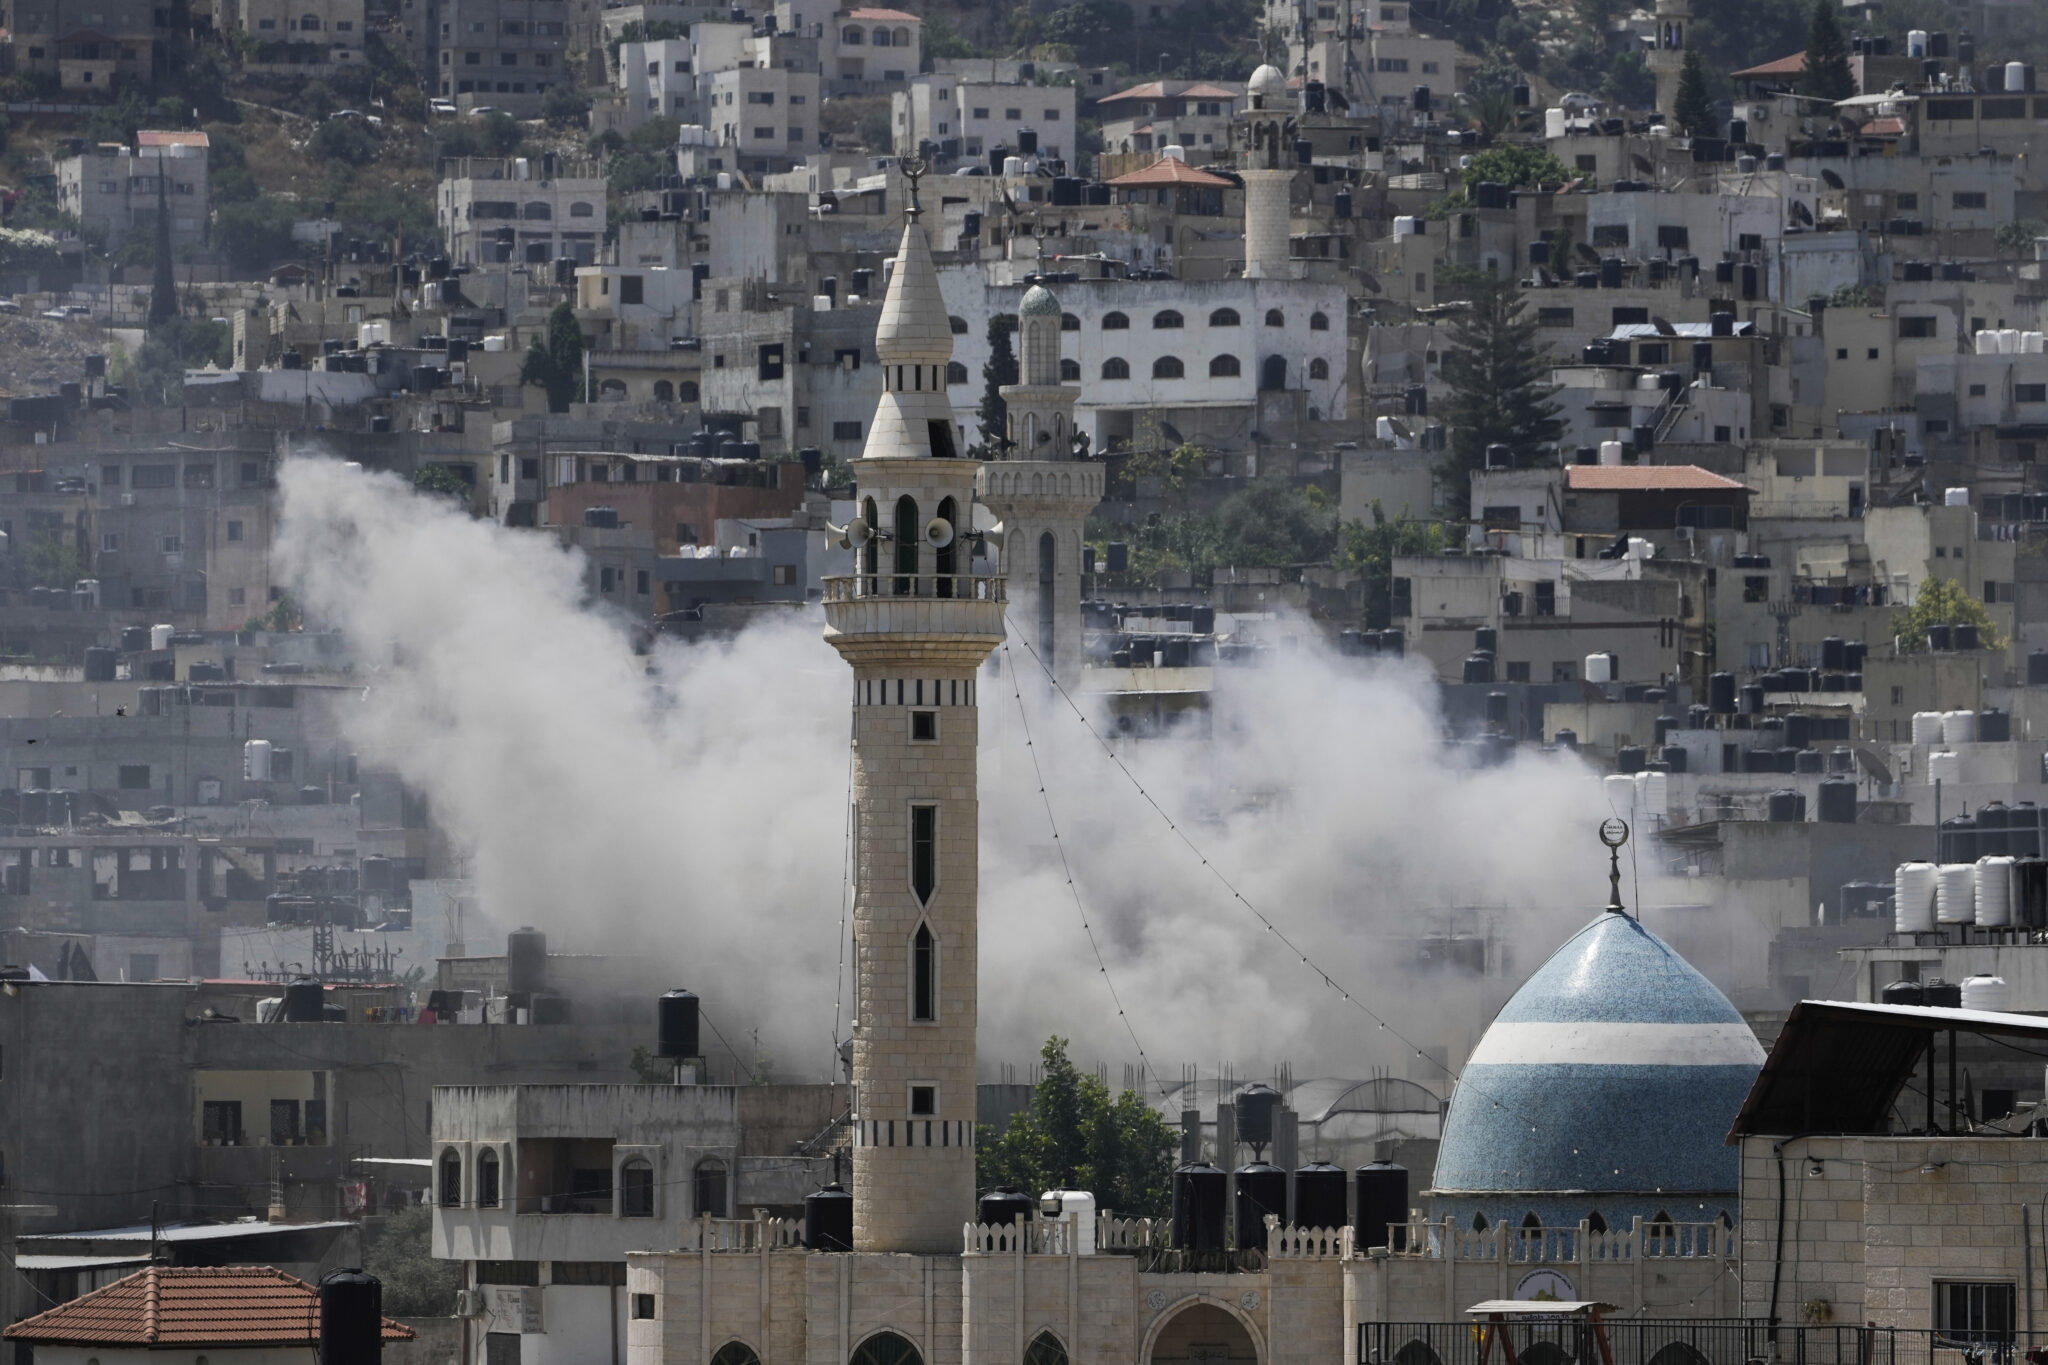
(1268, 179)
(1667, 56)
(915, 627)
(1043, 491)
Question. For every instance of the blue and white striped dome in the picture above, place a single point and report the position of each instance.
(1606, 1085)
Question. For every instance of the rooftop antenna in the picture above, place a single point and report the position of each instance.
(1614, 833)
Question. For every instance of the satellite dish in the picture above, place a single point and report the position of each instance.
(1586, 252)
(1664, 328)
(1834, 181)
(938, 533)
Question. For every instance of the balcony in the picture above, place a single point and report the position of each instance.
(960, 606)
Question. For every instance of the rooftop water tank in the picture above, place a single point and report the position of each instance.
(1927, 727)
(1959, 727)
(1913, 898)
(351, 1318)
(1955, 893)
(160, 637)
(1321, 1196)
(828, 1219)
(1005, 1205)
(255, 760)
(676, 1024)
(1382, 1206)
(304, 1001)
(1987, 993)
(1077, 1207)
(1261, 1190)
(1599, 668)
(1200, 1194)
(526, 961)
(1945, 766)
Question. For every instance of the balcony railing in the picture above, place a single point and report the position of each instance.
(743, 1234)
(1445, 1240)
(959, 587)
(1641, 1341)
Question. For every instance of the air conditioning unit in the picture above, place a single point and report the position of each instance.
(469, 1303)
(127, 499)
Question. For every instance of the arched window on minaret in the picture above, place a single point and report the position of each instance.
(871, 553)
(946, 558)
(908, 534)
(924, 852)
(924, 976)
(1048, 560)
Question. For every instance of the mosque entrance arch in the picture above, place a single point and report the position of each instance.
(1203, 1333)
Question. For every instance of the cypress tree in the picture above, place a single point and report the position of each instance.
(1000, 369)
(1691, 109)
(555, 360)
(1499, 377)
(1827, 75)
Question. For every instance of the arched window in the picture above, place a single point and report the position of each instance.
(1273, 373)
(1115, 322)
(686, 391)
(1169, 367)
(1275, 318)
(1319, 368)
(959, 326)
(1319, 322)
(924, 974)
(1045, 1349)
(1069, 323)
(851, 37)
(612, 390)
(1070, 370)
(946, 558)
(1224, 317)
(1225, 367)
(664, 392)
(870, 553)
(1478, 1222)
(579, 209)
(1166, 319)
(885, 1348)
(735, 1353)
(636, 1188)
(882, 38)
(538, 210)
(310, 24)
(1595, 1223)
(707, 1187)
(487, 1179)
(1116, 367)
(909, 535)
(451, 1179)
(956, 373)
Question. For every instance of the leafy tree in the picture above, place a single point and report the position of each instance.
(942, 40)
(1629, 82)
(1273, 523)
(555, 360)
(2017, 237)
(157, 375)
(346, 140)
(256, 234)
(1514, 164)
(27, 249)
(1850, 296)
(564, 105)
(1369, 551)
(1498, 375)
(48, 560)
(1692, 109)
(1826, 74)
(283, 617)
(649, 1069)
(998, 370)
(385, 211)
(1076, 1135)
(1943, 602)
(163, 285)
(416, 1283)
(440, 480)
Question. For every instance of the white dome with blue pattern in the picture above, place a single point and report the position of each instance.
(1605, 1087)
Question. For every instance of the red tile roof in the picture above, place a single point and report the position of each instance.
(190, 1306)
(1167, 171)
(1642, 478)
(150, 137)
(894, 16)
(1176, 90)
(1793, 65)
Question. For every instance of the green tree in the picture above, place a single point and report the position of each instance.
(256, 234)
(416, 1283)
(1943, 602)
(440, 480)
(1826, 74)
(347, 140)
(998, 370)
(48, 560)
(163, 285)
(564, 105)
(555, 360)
(1271, 524)
(1077, 1135)
(1513, 164)
(1692, 109)
(1369, 551)
(1498, 373)
(2016, 238)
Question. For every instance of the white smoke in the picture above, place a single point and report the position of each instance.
(690, 807)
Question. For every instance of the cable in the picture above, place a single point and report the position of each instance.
(1066, 870)
(845, 909)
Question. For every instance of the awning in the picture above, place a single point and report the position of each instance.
(34, 1262)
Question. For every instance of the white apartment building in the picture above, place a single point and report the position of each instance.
(517, 209)
(767, 115)
(967, 120)
(861, 51)
(117, 188)
(1196, 115)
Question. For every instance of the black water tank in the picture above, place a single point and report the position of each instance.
(1200, 1196)
(1787, 807)
(1834, 653)
(1674, 759)
(1382, 1205)
(1964, 635)
(302, 1002)
(1957, 842)
(135, 640)
(1566, 739)
(1721, 694)
(1798, 729)
(1004, 1205)
(1939, 638)
(1752, 699)
(1320, 1196)
(2030, 893)
(1610, 272)
(1838, 801)
(1486, 638)
(1811, 762)
(828, 1219)
(1943, 995)
(351, 1318)
(675, 1018)
(1993, 726)
(1255, 1105)
(2037, 668)
(374, 873)
(1904, 993)
(1629, 758)
(1261, 1190)
(526, 961)
(1479, 667)
(99, 664)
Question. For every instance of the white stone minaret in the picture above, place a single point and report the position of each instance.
(1667, 57)
(1268, 179)
(915, 626)
(1043, 491)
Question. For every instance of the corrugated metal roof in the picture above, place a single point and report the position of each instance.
(190, 1306)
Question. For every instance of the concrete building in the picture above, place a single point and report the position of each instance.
(119, 190)
(294, 35)
(1196, 116)
(766, 117)
(967, 120)
(501, 54)
(504, 210)
(89, 52)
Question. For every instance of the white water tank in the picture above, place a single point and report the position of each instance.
(2033, 343)
(1407, 226)
(1916, 43)
(1994, 891)
(160, 637)
(1638, 548)
(1927, 727)
(1599, 668)
(1946, 766)
(1553, 122)
(2015, 77)
(1987, 993)
(821, 303)
(256, 761)
(724, 180)
(1955, 893)
(1955, 497)
(1013, 166)
(2009, 341)
(1959, 727)
(1913, 898)
(1610, 452)
(1172, 151)
(1620, 791)
(1653, 792)
(370, 334)
(494, 345)
(1077, 1205)
(1985, 342)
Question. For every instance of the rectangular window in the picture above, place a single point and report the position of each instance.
(2030, 393)
(631, 288)
(508, 1272)
(1676, 238)
(134, 777)
(642, 582)
(1587, 162)
(1920, 327)
(769, 361)
(234, 530)
(587, 1272)
(846, 431)
(284, 1123)
(221, 1123)
(1518, 672)
(924, 851)
(643, 1307)
(1909, 203)
(924, 727)
(1967, 1311)
(1553, 317)
(154, 476)
(924, 1101)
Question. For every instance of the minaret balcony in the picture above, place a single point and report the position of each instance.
(940, 605)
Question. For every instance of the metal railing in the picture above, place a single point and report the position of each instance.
(965, 587)
(1644, 1341)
